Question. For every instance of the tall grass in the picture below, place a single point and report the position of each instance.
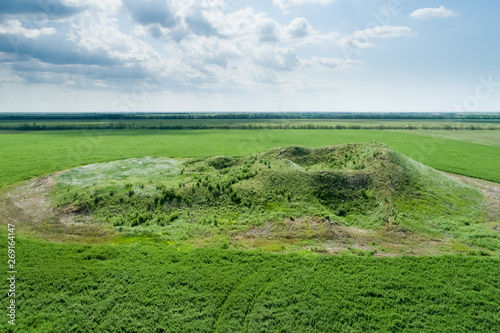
(148, 287)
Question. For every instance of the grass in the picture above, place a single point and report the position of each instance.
(150, 287)
(26, 155)
(419, 123)
(490, 138)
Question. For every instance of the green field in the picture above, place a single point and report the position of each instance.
(152, 285)
(489, 138)
(148, 287)
(29, 154)
(141, 123)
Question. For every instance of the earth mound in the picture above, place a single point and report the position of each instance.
(364, 198)
(364, 185)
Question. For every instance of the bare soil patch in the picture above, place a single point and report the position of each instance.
(332, 238)
(30, 209)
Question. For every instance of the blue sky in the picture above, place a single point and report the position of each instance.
(240, 55)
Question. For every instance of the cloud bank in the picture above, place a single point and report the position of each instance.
(192, 44)
(429, 13)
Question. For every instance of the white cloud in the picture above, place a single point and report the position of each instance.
(15, 27)
(109, 6)
(269, 31)
(180, 45)
(101, 34)
(428, 13)
(363, 39)
(300, 27)
(6, 79)
(300, 32)
(203, 51)
(345, 65)
(276, 58)
(284, 4)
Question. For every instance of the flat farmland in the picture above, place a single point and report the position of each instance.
(29, 154)
(152, 287)
(490, 138)
(242, 122)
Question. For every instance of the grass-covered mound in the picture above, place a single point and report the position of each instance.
(293, 192)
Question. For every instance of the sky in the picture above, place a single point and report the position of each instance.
(241, 55)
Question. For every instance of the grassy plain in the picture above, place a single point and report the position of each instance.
(490, 138)
(480, 123)
(187, 122)
(150, 287)
(29, 154)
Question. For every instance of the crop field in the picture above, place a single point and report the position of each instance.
(259, 121)
(235, 121)
(156, 232)
(149, 287)
(29, 154)
(486, 123)
(489, 138)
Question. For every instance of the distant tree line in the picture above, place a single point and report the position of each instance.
(254, 115)
(251, 126)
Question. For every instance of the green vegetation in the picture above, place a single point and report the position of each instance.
(314, 120)
(361, 185)
(30, 154)
(491, 138)
(150, 287)
(184, 265)
(252, 124)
